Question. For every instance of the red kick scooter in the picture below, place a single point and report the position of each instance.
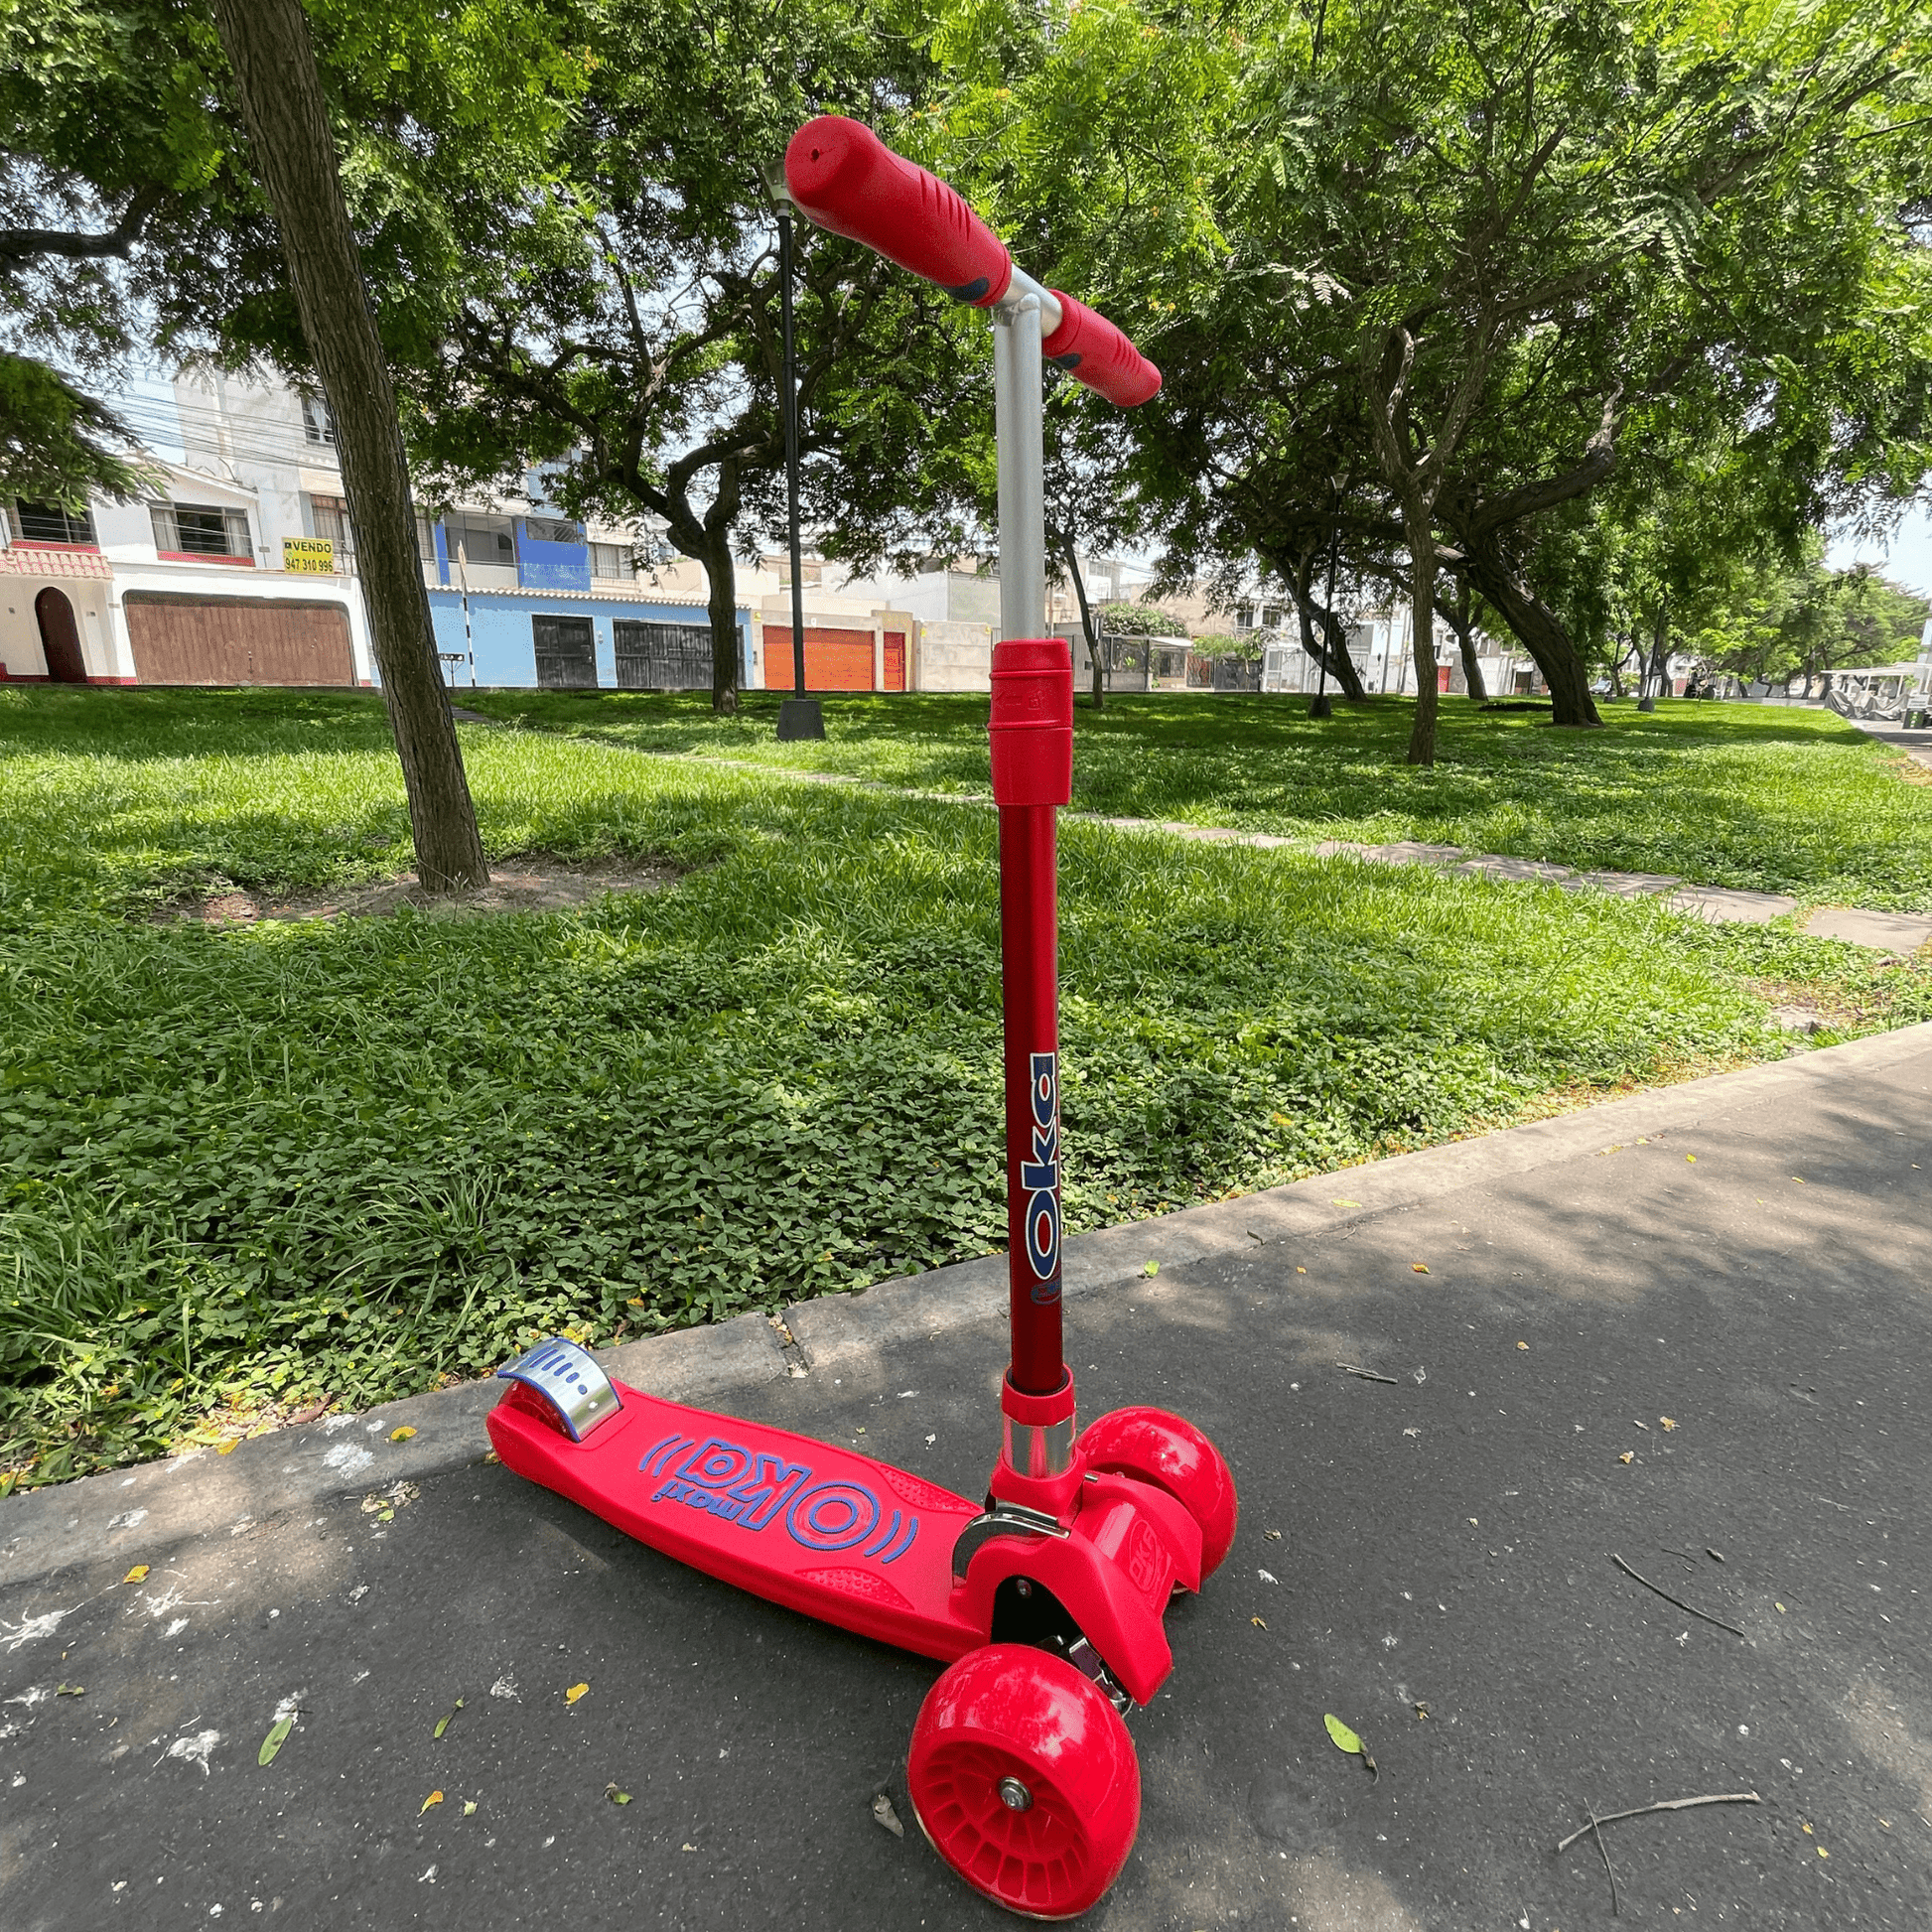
(1046, 1602)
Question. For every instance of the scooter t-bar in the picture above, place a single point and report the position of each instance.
(847, 181)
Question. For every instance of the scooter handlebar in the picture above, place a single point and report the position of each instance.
(1092, 350)
(847, 180)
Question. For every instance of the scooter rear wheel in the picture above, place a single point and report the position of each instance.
(1172, 1454)
(1023, 1779)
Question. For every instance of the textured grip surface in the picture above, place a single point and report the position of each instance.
(847, 180)
(1092, 350)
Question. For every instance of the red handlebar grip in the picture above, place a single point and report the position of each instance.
(1092, 350)
(847, 180)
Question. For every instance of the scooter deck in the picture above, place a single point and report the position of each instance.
(800, 1522)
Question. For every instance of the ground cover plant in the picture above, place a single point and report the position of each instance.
(1756, 796)
(243, 1170)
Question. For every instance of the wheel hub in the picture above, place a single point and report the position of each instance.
(1015, 1795)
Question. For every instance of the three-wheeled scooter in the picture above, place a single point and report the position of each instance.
(1045, 1600)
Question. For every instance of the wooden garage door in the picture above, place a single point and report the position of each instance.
(237, 640)
(835, 660)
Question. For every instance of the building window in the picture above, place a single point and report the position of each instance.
(476, 541)
(196, 530)
(1270, 619)
(552, 530)
(1244, 617)
(330, 514)
(610, 560)
(317, 423)
(50, 523)
(425, 540)
(566, 652)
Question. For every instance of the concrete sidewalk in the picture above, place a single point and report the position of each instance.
(1444, 1540)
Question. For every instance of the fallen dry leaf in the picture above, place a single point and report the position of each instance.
(1418, 1268)
(1257, 1622)
(884, 1814)
(1628, 1455)
(138, 1575)
(575, 1692)
(1521, 1344)
(401, 1435)
(228, 1447)
(1667, 1421)
(434, 1798)
(1340, 1202)
(1301, 1271)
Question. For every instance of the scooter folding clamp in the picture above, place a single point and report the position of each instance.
(1001, 1519)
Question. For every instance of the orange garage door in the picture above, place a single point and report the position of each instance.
(835, 660)
(237, 640)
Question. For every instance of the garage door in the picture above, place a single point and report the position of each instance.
(835, 660)
(237, 640)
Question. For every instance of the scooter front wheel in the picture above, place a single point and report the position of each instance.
(1023, 1779)
(1172, 1454)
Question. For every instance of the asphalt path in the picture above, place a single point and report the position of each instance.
(1700, 1349)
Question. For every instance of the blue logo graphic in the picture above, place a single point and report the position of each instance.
(1039, 1178)
(751, 1488)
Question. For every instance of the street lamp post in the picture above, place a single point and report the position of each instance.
(798, 715)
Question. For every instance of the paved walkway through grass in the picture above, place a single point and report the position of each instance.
(1892, 933)
(1684, 1330)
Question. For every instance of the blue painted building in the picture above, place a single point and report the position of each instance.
(530, 601)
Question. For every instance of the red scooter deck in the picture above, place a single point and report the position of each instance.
(803, 1523)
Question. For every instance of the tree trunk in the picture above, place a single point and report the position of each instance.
(1653, 677)
(268, 45)
(1086, 624)
(1322, 634)
(1458, 618)
(721, 606)
(1540, 632)
(1422, 632)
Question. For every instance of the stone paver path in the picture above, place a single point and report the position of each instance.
(1896, 932)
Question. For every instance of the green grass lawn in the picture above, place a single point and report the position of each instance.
(1723, 795)
(242, 1168)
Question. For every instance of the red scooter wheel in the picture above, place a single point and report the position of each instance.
(1172, 1454)
(1025, 1780)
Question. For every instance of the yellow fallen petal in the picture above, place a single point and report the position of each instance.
(1668, 1422)
(1779, 1607)
(575, 1692)
(138, 1575)
(1628, 1455)
(1806, 1829)
(401, 1435)
(1340, 1202)
(434, 1798)
(1692, 1158)
(228, 1447)
(1823, 1854)
(1521, 1344)
(1257, 1622)
(1418, 1268)
(1301, 1271)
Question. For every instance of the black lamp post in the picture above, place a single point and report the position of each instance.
(798, 715)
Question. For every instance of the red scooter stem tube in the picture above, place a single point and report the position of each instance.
(1032, 731)
(847, 180)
